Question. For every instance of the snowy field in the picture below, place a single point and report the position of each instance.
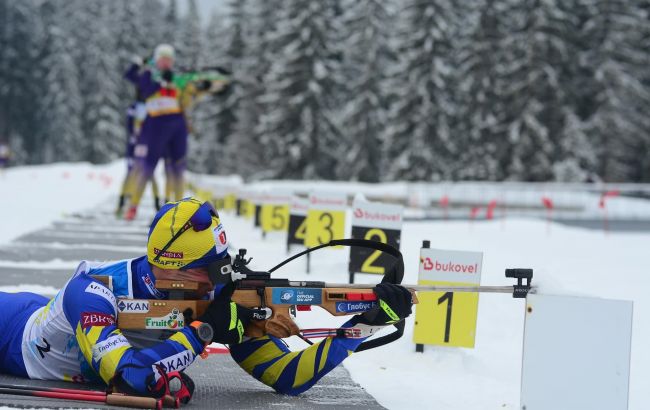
(566, 261)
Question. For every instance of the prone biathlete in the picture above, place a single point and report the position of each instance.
(74, 336)
(164, 130)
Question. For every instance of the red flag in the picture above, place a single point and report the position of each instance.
(605, 195)
(548, 202)
(444, 201)
(490, 209)
(474, 211)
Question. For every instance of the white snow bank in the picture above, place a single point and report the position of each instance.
(34, 196)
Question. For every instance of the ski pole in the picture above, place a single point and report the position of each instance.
(83, 395)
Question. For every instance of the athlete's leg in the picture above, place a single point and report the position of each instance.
(16, 308)
(127, 184)
(155, 192)
(175, 166)
(147, 153)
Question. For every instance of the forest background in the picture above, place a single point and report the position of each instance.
(368, 90)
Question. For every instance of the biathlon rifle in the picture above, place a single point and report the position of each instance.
(277, 299)
(211, 79)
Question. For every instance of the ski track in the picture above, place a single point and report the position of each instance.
(569, 261)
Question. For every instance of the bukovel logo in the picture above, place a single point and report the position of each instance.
(287, 295)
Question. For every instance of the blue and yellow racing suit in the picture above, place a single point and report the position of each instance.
(74, 337)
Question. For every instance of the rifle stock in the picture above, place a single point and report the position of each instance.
(336, 301)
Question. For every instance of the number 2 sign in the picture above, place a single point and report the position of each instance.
(446, 318)
(375, 222)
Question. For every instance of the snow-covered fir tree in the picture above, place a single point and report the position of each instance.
(190, 53)
(620, 126)
(534, 83)
(62, 100)
(368, 55)
(21, 77)
(419, 144)
(480, 89)
(300, 135)
(480, 118)
(103, 111)
(244, 148)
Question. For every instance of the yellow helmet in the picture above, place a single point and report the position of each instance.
(186, 234)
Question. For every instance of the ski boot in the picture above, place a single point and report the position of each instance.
(130, 213)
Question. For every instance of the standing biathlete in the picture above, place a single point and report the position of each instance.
(135, 115)
(164, 130)
(74, 336)
(4, 154)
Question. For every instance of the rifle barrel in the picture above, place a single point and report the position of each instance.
(427, 288)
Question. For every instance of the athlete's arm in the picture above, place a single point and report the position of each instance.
(270, 361)
(91, 309)
(143, 80)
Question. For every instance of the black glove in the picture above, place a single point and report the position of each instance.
(167, 75)
(228, 319)
(203, 85)
(395, 304)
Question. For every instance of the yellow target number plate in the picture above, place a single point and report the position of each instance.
(323, 226)
(446, 318)
(275, 217)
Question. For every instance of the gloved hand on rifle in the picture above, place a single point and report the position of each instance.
(227, 319)
(394, 304)
(175, 386)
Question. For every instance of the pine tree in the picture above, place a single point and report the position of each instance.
(244, 148)
(61, 100)
(103, 109)
(301, 137)
(620, 126)
(205, 152)
(367, 56)
(419, 143)
(534, 82)
(22, 80)
(480, 118)
(171, 24)
(216, 118)
(190, 34)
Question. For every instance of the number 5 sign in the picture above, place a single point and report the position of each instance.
(447, 318)
(325, 218)
(274, 213)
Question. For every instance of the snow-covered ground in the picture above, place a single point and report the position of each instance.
(32, 197)
(566, 261)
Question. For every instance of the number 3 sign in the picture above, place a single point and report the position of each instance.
(325, 218)
(446, 318)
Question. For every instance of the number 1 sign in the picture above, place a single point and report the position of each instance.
(446, 318)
